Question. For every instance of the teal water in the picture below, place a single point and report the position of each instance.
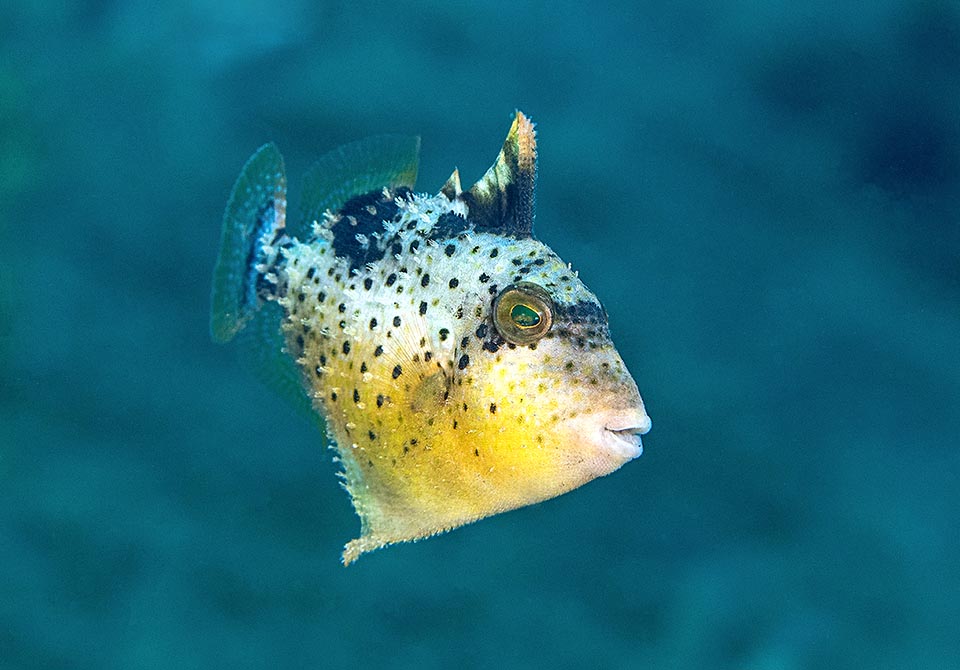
(766, 198)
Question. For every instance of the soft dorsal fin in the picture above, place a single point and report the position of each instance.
(357, 168)
(503, 200)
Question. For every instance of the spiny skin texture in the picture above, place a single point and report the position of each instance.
(443, 412)
(438, 420)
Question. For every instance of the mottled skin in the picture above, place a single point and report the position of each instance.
(438, 420)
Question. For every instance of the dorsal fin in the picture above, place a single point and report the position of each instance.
(452, 188)
(357, 168)
(503, 200)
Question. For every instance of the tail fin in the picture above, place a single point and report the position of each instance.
(253, 221)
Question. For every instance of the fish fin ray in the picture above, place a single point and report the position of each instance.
(254, 217)
(357, 168)
(261, 346)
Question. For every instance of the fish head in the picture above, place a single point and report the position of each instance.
(559, 404)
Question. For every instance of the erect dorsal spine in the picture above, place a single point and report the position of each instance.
(502, 201)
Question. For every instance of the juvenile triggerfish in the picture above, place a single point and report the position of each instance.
(461, 368)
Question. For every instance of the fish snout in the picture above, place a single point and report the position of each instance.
(621, 433)
(611, 436)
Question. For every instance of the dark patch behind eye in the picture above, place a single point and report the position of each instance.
(585, 311)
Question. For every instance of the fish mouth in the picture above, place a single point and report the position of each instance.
(614, 435)
(621, 437)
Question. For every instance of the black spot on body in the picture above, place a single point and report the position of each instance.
(481, 331)
(396, 322)
(346, 347)
(454, 283)
(423, 308)
(356, 395)
(397, 371)
(425, 280)
(367, 283)
(463, 362)
(378, 351)
(450, 249)
(493, 408)
(373, 323)
(392, 279)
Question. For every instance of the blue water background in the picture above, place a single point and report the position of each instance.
(766, 198)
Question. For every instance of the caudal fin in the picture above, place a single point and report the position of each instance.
(252, 223)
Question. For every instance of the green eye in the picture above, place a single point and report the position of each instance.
(522, 313)
(524, 316)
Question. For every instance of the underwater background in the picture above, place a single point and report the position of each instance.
(765, 196)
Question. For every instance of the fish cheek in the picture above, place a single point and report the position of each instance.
(429, 395)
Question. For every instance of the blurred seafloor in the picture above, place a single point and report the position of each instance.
(766, 198)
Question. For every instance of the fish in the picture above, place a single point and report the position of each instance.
(460, 368)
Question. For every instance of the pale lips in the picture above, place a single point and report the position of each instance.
(621, 435)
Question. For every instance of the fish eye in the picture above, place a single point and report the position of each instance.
(522, 313)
